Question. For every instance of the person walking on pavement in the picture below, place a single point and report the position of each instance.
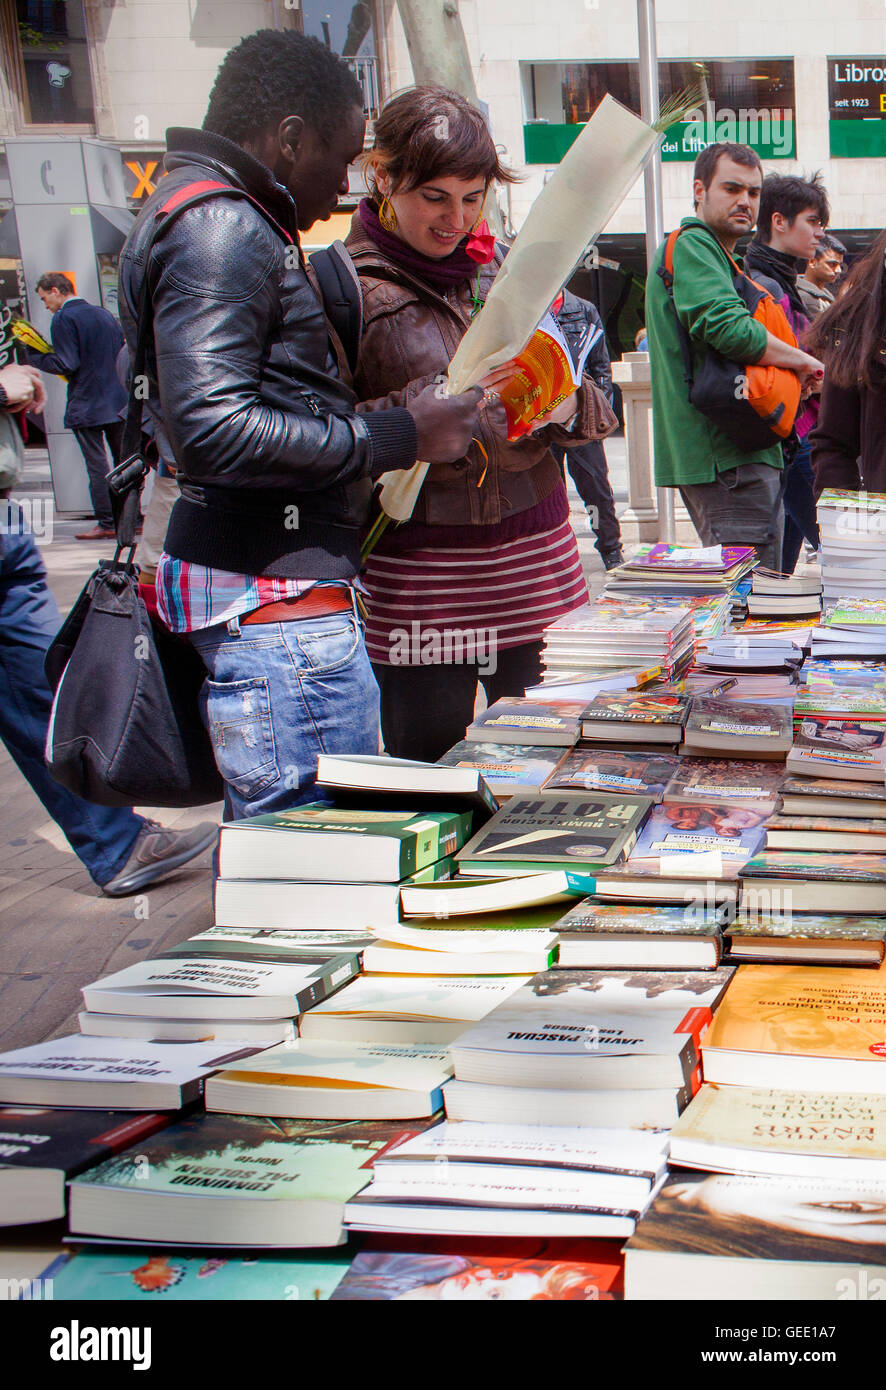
(122, 852)
(587, 463)
(85, 343)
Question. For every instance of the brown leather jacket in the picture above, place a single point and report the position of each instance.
(410, 333)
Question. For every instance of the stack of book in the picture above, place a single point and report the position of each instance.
(853, 544)
(749, 650)
(517, 1180)
(603, 635)
(775, 595)
(852, 627)
(674, 569)
(581, 1047)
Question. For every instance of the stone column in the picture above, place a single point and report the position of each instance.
(635, 380)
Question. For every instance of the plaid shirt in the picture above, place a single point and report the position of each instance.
(191, 597)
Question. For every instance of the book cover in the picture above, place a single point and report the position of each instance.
(590, 918)
(155, 1276)
(557, 829)
(830, 926)
(69, 1140)
(701, 836)
(816, 865)
(796, 1220)
(836, 1013)
(130, 1060)
(506, 1270)
(504, 765)
(728, 720)
(633, 708)
(448, 998)
(832, 743)
(286, 946)
(664, 624)
(556, 721)
(201, 984)
(546, 374)
(724, 779)
(793, 1123)
(403, 1067)
(605, 770)
(243, 1156)
(577, 1147)
(832, 786)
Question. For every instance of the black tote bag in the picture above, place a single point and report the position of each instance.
(125, 727)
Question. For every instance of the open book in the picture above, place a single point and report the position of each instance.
(547, 374)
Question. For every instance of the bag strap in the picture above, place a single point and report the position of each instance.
(125, 481)
(666, 271)
(342, 296)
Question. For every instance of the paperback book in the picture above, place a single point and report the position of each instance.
(598, 935)
(850, 749)
(605, 770)
(118, 1074)
(523, 721)
(723, 779)
(813, 881)
(231, 1180)
(41, 1150)
(699, 838)
(319, 841)
(833, 938)
(644, 717)
(738, 730)
(508, 769)
(804, 1028)
(553, 830)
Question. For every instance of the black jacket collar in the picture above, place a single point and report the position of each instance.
(230, 161)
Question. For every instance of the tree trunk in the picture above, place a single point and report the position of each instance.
(437, 47)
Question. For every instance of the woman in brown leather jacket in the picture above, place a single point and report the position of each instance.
(462, 590)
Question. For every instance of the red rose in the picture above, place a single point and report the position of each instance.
(480, 245)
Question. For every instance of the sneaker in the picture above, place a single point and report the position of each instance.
(98, 533)
(155, 854)
(613, 558)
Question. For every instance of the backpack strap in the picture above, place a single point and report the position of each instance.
(666, 271)
(342, 296)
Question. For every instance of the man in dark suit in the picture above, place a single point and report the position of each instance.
(85, 343)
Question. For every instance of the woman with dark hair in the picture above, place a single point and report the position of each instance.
(849, 441)
(461, 591)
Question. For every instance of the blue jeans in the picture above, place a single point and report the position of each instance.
(279, 694)
(800, 522)
(102, 837)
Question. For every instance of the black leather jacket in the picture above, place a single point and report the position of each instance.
(275, 466)
(574, 318)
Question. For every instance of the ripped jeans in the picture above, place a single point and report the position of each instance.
(276, 696)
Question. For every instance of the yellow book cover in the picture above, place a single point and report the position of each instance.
(826, 1123)
(806, 1011)
(546, 375)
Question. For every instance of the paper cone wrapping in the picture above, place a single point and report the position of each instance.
(569, 213)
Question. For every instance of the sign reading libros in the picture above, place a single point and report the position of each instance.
(857, 107)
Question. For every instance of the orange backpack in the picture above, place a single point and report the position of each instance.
(754, 406)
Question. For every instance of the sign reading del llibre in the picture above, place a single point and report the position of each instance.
(857, 107)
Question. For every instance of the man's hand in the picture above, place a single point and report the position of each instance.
(24, 388)
(445, 424)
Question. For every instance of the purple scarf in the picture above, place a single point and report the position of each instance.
(440, 275)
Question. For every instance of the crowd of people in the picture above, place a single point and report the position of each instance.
(270, 431)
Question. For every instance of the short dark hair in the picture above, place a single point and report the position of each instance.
(829, 243)
(276, 73)
(55, 280)
(428, 133)
(790, 195)
(706, 164)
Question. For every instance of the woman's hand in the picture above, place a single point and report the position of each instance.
(560, 415)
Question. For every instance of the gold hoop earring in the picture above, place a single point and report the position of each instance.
(387, 216)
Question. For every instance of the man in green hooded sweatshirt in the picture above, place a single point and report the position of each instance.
(733, 498)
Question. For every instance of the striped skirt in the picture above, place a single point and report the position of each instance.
(456, 606)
